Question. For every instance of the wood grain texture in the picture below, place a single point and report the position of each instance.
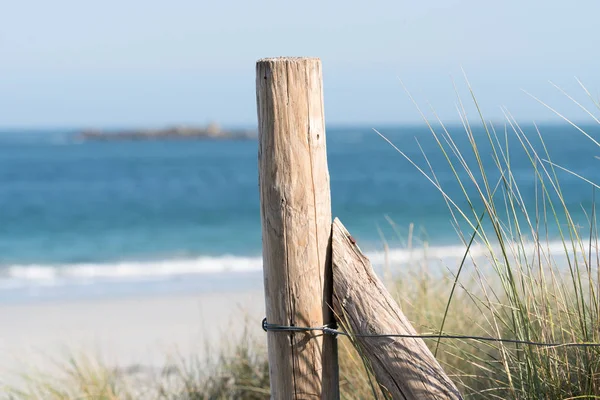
(296, 226)
(404, 366)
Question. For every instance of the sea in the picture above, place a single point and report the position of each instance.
(101, 219)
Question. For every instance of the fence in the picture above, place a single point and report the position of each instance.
(313, 268)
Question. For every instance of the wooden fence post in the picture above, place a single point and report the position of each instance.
(296, 226)
(404, 366)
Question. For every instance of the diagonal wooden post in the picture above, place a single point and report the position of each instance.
(296, 226)
(403, 366)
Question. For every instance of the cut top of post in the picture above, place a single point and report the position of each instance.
(287, 59)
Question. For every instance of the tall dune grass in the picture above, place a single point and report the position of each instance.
(520, 289)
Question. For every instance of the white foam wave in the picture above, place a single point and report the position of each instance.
(15, 276)
(402, 256)
(553, 252)
(122, 271)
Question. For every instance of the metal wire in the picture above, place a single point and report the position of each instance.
(330, 329)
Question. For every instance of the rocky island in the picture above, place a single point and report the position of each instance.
(211, 131)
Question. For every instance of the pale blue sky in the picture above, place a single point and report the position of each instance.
(142, 62)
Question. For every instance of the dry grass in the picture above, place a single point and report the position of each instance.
(481, 370)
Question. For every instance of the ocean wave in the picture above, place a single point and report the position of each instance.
(529, 249)
(38, 274)
(15, 276)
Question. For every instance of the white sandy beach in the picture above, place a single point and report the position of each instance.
(124, 332)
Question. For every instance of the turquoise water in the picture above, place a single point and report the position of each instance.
(78, 218)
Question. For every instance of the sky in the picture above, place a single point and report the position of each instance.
(116, 63)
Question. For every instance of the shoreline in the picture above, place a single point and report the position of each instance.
(44, 292)
(136, 331)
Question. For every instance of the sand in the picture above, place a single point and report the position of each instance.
(126, 331)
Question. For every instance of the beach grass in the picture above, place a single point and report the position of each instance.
(518, 284)
(513, 282)
(239, 371)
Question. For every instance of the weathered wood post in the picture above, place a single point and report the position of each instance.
(296, 226)
(404, 366)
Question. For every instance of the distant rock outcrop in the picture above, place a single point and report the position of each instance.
(211, 131)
